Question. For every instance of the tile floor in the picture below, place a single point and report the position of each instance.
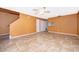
(41, 42)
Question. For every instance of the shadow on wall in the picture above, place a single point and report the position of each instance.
(6, 18)
(78, 24)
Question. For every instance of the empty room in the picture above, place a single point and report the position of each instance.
(39, 29)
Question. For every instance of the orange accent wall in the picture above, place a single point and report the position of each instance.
(24, 25)
(64, 24)
(78, 25)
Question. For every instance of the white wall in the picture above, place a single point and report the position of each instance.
(41, 25)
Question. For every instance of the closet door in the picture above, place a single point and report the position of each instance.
(41, 25)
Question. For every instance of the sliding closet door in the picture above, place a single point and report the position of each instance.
(41, 25)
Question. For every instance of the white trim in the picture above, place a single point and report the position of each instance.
(38, 32)
(4, 34)
(22, 35)
(63, 33)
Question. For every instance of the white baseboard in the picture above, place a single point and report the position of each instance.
(63, 33)
(38, 32)
(22, 35)
(4, 34)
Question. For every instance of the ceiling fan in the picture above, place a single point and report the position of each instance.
(41, 10)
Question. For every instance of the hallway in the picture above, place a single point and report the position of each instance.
(41, 42)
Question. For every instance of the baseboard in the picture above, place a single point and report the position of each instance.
(4, 36)
(63, 33)
(22, 35)
(38, 32)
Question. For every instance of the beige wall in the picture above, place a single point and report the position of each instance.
(24, 25)
(64, 24)
(5, 20)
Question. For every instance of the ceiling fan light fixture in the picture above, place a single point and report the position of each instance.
(47, 11)
(35, 9)
(41, 11)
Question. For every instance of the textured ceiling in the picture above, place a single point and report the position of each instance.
(52, 11)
